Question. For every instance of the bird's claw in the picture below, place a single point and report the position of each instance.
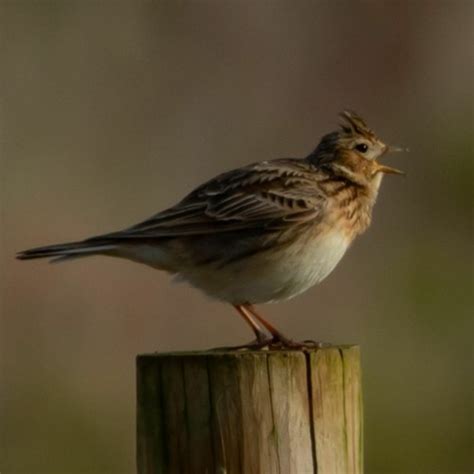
(277, 342)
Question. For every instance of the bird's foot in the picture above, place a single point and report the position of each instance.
(254, 345)
(277, 342)
(260, 342)
(282, 343)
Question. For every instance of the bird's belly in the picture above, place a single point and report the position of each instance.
(273, 275)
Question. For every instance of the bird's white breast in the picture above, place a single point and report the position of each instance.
(268, 277)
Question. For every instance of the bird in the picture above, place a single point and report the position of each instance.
(261, 233)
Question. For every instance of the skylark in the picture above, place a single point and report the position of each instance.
(261, 233)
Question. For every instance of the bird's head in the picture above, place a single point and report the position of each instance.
(353, 151)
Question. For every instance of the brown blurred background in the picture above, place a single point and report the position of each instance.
(112, 111)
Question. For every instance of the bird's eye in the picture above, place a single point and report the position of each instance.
(362, 147)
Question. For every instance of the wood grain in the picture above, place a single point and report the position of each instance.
(259, 412)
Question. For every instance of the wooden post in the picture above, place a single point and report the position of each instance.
(245, 412)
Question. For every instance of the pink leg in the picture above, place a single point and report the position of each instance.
(277, 335)
(247, 315)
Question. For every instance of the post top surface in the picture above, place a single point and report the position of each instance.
(244, 353)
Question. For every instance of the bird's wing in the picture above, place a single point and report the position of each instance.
(268, 195)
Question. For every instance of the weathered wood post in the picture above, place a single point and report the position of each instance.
(262, 412)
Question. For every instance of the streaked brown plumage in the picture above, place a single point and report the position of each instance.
(264, 232)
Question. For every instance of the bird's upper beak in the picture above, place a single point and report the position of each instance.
(388, 169)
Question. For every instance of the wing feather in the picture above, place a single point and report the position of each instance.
(268, 195)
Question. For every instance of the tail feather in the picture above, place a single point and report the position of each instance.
(68, 251)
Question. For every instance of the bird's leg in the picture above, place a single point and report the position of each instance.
(277, 341)
(278, 338)
(262, 340)
(277, 335)
(247, 315)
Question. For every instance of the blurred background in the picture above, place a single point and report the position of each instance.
(113, 111)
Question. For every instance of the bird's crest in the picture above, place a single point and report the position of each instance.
(354, 124)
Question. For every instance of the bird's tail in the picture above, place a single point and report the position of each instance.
(68, 251)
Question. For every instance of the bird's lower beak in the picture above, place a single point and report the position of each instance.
(388, 170)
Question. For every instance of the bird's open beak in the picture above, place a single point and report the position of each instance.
(391, 149)
(388, 169)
